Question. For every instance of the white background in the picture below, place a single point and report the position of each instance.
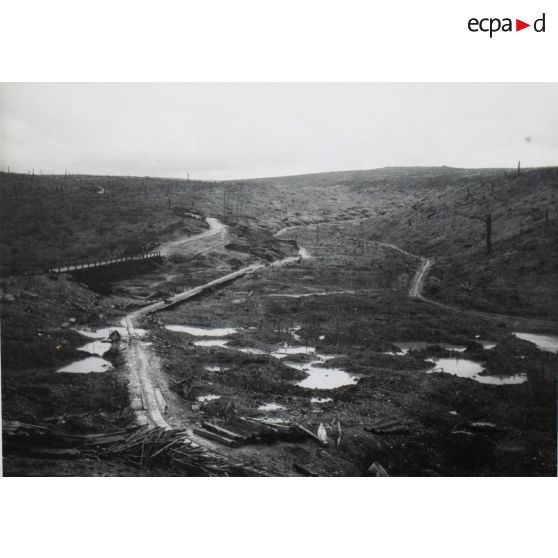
(272, 40)
(269, 40)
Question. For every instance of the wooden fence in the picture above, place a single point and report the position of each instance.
(96, 263)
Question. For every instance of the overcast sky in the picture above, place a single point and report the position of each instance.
(223, 131)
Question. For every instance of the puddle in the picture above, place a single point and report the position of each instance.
(270, 407)
(202, 332)
(251, 351)
(465, 368)
(320, 400)
(211, 343)
(502, 380)
(96, 348)
(215, 368)
(90, 364)
(407, 346)
(206, 398)
(325, 378)
(286, 350)
(329, 357)
(547, 343)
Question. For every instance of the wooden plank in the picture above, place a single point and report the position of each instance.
(223, 431)
(311, 434)
(215, 437)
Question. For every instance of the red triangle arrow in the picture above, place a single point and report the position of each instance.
(519, 25)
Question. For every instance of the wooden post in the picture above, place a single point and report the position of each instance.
(518, 168)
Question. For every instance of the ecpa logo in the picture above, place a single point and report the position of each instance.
(494, 24)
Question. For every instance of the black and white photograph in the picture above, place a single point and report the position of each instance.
(278, 279)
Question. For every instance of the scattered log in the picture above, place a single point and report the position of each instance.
(311, 434)
(223, 431)
(338, 433)
(388, 425)
(216, 437)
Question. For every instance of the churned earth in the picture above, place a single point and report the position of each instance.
(451, 371)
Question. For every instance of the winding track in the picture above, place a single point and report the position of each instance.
(212, 238)
(417, 285)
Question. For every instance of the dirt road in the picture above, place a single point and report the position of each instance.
(212, 239)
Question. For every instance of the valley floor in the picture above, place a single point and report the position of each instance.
(331, 339)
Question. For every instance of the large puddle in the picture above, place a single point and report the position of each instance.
(206, 398)
(325, 378)
(465, 368)
(202, 331)
(87, 365)
(98, 348)
(547, 343)
(211, 343)
(320, 377)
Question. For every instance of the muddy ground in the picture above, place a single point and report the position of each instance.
(516, 422)
(348, 300)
